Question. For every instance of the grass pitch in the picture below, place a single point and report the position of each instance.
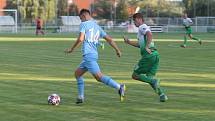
(32, 67)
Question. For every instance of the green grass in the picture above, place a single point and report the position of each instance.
(32, 68)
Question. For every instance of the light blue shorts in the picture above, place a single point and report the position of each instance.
(91, 66)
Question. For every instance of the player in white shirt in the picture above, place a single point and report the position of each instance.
(145, 70)
(187, 22)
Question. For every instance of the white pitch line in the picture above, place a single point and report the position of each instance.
(73, 39)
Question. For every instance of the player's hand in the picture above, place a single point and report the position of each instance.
(148, 50)
(126, 40)
(118, 53)
(68, 50)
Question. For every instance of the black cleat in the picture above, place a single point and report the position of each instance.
(163, 98)
(200, 42)
(183, 46)
(79, 101)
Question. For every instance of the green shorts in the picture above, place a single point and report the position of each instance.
(188, 30)
(147, 65)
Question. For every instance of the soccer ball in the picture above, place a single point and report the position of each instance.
(53, 99)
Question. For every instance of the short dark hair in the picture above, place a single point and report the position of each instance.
(138, 15)
(84, 11)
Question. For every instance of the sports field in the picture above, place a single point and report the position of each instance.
(33, 67)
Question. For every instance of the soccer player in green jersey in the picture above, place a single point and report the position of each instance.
(187, 22)
(147, 66)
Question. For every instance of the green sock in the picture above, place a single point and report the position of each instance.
(160, 91)
(195, 38)
(185, 40)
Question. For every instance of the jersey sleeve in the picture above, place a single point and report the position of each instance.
(82, 28)
(144, 29)
(102, 32)
(190, 21)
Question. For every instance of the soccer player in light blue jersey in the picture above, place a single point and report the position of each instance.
(89, 36)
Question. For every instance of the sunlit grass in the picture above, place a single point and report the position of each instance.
(31, 68)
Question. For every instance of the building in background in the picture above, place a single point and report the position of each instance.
(82, 3)
(2, 5)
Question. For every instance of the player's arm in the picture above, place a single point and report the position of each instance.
(132, 43)
(41, 22)
(76, 44)
(113, 44)
(148, 41)
(190, 22)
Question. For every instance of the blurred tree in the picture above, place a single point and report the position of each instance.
(62, 7)
(199, 7)
(10, 4)
(50, 9)
(122, 11)
(73, 10)
(160, 8)
(103, 9)
(30, 9)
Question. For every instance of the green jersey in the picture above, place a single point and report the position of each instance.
(141, 36)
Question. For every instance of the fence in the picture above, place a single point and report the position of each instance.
(8, 22)
(158, 24)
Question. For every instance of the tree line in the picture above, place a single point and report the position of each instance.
(49, 10)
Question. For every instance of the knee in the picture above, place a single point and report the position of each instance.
(134, 76)
(76, 74)
(98, 77)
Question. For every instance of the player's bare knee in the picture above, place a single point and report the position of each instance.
(98, 79)
(134, 76)
(98, 76)
(76, 74)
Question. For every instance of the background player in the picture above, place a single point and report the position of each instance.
(187, 22)
(39, 24)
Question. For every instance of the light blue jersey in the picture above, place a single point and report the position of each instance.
(92, 32)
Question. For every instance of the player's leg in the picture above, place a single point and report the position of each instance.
(156, 83)
(185, 42)
(158, 89)
(111, 83)
(187, 33)
(141, 69)
(94, 69)
(80, 82)
(41, 31)
(37, 31)
(106, 80)
(195, 38)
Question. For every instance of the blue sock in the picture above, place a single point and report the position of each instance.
(80, 84)
(110, 82)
